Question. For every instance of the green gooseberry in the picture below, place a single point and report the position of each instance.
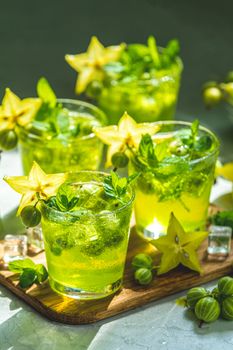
(94, 88)
(207, 309)
(119, 160)
(227, 308)
(142, 260)
(229, 77)
(194, 295)
(8, 139)
(143, 276)
(225, 285)
(31, 216)
(178, 148)
(215, 294)
(228, 89)
(212, 96)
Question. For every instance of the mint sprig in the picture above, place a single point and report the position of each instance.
(46, 93)
(194, 130)
(146, 152)
(29, 272)
(156, 165)
(64, 199)
(223, 218)
(115, 186)
(150, 156)
(50, 110)
(137, 59)
(196, 144)
(154, 51)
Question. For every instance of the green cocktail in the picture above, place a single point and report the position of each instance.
(143, 80)
(86, 247)
(64, 141)
(176, 175)
(150, 97)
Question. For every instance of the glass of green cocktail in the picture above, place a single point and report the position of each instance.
(56, 133)
(66, 143)
(176, 164)
(141, 79)
(85, 218)
(176, 175)
(86, 247)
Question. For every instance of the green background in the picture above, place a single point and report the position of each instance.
(35, 36)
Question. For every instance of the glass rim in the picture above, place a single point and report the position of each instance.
(92, 135)
(214, 152)
(93, 215)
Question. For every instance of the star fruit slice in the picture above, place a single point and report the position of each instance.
(36, 184)
(127, 133)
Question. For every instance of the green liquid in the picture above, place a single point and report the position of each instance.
(66, 145)
(86, 251)
(146, 100)
(182, 188)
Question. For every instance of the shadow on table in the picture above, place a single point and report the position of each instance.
(14, 303)
(11, 224)
(26, 330)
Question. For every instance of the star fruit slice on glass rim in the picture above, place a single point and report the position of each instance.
(89, 64)
(179, 247)
(16, 111)
(225, 170)
(36, 184)
(127, 133)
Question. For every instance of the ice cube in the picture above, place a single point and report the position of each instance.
(14, 248)
(219, 241)
(91, 197)
(35, 238)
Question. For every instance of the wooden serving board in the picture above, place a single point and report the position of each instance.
(71, 311)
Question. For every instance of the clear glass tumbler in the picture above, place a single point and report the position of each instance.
(86, 249)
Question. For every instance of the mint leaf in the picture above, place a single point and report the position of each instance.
(149, 155)
(62, 120)
(203, 144)
(46, 93)
(52, 202)
(172, 166)
(133, 177)
(137, 51)
(190, 139)
(146, 154)
(223, 218)
(173, 48)
(72, 203)
(160, 151)
(194, 129)
(65, 199)
(115, 186)
(28, 271)
(42, 273)
(19, 265)
(153, 51)
(27, 278)
(51, 112)
(169, 53)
